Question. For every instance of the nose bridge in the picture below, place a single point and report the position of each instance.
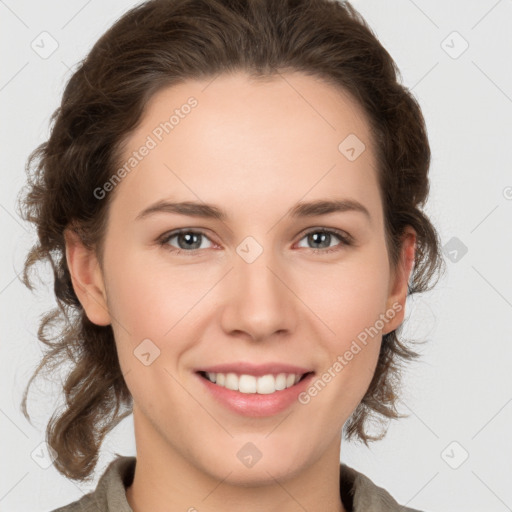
(260, 303)
(256, 275)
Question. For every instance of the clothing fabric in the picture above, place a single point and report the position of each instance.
(358, 493)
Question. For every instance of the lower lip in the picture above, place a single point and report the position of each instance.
(255, 404)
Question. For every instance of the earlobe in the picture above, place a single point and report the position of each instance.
(400, 279)
(87, 279)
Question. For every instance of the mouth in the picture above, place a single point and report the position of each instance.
(252, 384)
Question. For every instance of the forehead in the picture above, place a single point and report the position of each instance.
(250, 145)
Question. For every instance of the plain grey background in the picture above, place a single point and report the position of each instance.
(454, 451)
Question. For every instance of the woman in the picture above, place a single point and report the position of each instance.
(230, 199)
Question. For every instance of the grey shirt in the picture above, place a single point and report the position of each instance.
(358, 493)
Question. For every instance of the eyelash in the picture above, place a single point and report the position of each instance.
(346, 240)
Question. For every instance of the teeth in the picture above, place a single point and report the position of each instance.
(263, 385)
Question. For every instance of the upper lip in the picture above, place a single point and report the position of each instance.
(254, 369)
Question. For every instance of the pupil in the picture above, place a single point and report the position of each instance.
(320, 235)
(189, 238)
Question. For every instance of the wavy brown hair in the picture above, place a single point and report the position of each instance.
(160, 43)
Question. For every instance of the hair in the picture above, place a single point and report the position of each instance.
(160, 43)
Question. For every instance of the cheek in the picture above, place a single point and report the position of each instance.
(346, 297)
(349, 298)
(147, 304)
(151, 300)
(148, 298)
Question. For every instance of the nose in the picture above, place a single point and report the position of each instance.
(260, 302)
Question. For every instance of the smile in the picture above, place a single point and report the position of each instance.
(250, 384)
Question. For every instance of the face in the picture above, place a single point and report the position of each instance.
(270, 281)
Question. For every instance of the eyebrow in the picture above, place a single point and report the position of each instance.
(302, 209)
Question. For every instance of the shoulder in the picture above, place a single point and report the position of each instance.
(365, 495)
(110, 493)
(86, 503)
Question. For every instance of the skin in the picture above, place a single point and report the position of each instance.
(254, 150)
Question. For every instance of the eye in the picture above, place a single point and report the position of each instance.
(190, 241)
(322, 236)
(187, 239)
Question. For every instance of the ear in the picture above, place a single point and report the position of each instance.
(399, 280)
(87, 278)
